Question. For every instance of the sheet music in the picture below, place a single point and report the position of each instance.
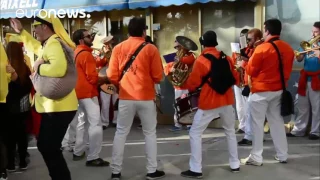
(235, 48)
(243, 42)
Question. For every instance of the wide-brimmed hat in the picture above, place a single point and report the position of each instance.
(107, 39)
(186, 43)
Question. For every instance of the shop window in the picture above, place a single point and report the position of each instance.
(175, 21)
(95, 24)
(118, 22)
(227, 19)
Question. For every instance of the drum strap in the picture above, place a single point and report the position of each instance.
(78, 54)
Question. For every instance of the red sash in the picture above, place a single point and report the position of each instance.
(315, 81)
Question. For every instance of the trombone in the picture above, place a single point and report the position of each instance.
(307, 46)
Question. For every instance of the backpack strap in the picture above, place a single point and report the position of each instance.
(211, 58)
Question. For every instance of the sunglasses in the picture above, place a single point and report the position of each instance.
(87, 36)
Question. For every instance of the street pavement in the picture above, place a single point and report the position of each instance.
(173, 157)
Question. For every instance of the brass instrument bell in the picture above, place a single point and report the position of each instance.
(307, 46)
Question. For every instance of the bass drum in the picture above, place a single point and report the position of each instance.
(107, 88)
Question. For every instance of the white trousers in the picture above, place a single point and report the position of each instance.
(312, 98)
(105, 107)
(89, 126)
(248, 122)
(201, 121)
(241, 102)
(178, 93)
(70, 136)
(148, 115)
(262, 105)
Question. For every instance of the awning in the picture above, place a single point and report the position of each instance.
(19, 8)
(86, 5)
(133, 4)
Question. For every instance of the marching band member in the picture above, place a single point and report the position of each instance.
(187, 58)
(240, 99)
(89, 119)
(55, 114)
(309, 89)
(106, 98)
(136, 95)
(266, 92)
(211, 105)
(253, 36)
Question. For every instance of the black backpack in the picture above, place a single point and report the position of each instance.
(221, 77)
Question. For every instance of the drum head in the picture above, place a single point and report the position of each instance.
(103, 71)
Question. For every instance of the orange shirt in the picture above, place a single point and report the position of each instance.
(100, 62)
(188, 59)
(145, 71)
(249, 52)
(87, 82)
(209, 98)
(263, 66)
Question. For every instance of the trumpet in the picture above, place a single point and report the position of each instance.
(241, 72)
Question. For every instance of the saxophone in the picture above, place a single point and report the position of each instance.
(180, 71)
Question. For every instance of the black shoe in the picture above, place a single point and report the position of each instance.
(191, 174)
(4, 176)
(155, 175)
(78, 158)
(291, 135)
(115, 176)
(104, 127)
(313, 137)
(282, 162)
(245, 142)
(240, 131)
(235, 170)
(23, 166)
(97, 162)
(113, 125)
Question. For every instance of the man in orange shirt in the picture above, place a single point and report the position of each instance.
(136, 94)
(253, 36)
(187, 59)
(89, 120)
(263, 68)
(211, 103)
(240, 100)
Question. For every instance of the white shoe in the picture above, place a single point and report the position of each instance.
(249, 161)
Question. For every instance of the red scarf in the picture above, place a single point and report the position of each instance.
(315, 81)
